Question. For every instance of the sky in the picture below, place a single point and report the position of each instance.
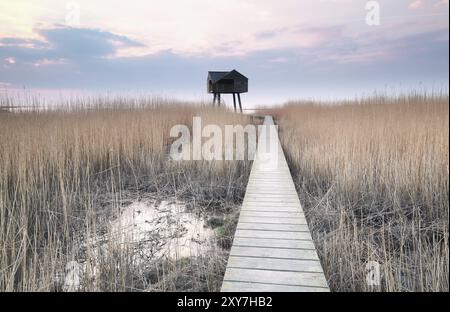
(289, 49)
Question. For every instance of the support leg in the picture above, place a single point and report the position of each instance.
(239, 99)
(219, 99)
(214, 99)
(234, 102)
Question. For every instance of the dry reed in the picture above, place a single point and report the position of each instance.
(374, 178)
(64, 172)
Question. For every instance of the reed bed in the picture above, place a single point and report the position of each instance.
(373, 176)
(65, 171)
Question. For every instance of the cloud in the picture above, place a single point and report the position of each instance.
(441, 3)
(282, 57)
(315, 36)
(279, 60)
(10, 60)
(292, 37)
(378, 48)
(438, 4)
(50, 62)
(201, 27)
(64, 45)
(70, 42)
(21, 42)
(416, 4)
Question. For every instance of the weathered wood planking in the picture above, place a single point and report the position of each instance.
(272, 247)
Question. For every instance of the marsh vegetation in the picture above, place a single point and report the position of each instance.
(373, 176)
(68, 174)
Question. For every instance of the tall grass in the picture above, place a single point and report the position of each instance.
(65, 171)
(374, 178)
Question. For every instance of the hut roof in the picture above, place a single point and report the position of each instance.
(218, 75)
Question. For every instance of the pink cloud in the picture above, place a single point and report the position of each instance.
(49, 62)
(441, 3)
(10, 60)
(415, 4)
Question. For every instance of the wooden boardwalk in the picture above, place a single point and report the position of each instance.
(272, 248)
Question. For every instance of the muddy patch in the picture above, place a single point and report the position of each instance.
(136, 242)
(160, 230)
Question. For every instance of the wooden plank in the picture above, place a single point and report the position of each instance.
(276, 277)
(274, 243)
(272, 234)
(273, 220)
(271, 201)
(268, 192)
(266, 203)
(268, 209)
(287, 265)
(271, 204)
(228, 286)
(267, 252)
(272, 197)
(273, 227)
(262, 187)
(290, 214)
(272, 247)
(266, 185)
(254, 196)
(279, 206)
(261, 179)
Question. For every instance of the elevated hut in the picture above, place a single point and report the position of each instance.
(232, 82)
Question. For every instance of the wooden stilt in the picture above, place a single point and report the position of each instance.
(239, 99)
(214, 99)
(219, 99)
(234, 102)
